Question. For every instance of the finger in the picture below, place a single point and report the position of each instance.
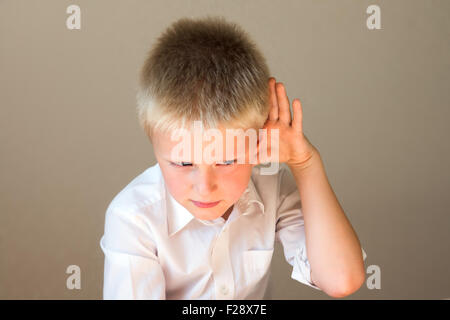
(297, 124)
(283, 102)
(273, 113)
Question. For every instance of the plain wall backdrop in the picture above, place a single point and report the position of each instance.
(376, 104)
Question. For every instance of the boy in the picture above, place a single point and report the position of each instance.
(187, 229)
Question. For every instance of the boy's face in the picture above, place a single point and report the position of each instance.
(190, 182)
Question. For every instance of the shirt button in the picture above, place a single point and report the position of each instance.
(224, 290)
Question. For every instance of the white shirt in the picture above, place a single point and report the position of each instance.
(156, 249)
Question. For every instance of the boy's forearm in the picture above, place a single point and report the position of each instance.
(333, 248)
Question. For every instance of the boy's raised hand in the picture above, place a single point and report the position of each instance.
(293, 146)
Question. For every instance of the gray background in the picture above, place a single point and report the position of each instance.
(375, 103)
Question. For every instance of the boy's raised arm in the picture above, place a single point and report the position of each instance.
(334, 251)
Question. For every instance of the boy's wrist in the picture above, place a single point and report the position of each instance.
(305, 165)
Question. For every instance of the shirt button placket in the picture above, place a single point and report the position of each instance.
(222, 268)
(224, 290)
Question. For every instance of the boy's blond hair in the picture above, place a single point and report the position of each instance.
(203, 69)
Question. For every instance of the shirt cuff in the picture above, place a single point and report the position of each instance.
(302, 270)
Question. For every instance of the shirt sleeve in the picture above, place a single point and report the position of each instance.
(290, 230)
(131, 269)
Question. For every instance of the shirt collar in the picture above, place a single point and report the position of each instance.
(178, 216)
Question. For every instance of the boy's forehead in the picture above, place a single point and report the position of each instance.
(211, 134)
(227, 139)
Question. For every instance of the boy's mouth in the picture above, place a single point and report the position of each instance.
(205, 204)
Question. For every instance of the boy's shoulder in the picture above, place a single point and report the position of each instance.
(145, 189)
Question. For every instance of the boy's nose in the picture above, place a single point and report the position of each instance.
(205, 184)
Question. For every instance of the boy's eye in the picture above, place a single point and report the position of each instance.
(187, 164)
(227, 163)
(182, 164)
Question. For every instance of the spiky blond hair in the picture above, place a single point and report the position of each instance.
(206, 70)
